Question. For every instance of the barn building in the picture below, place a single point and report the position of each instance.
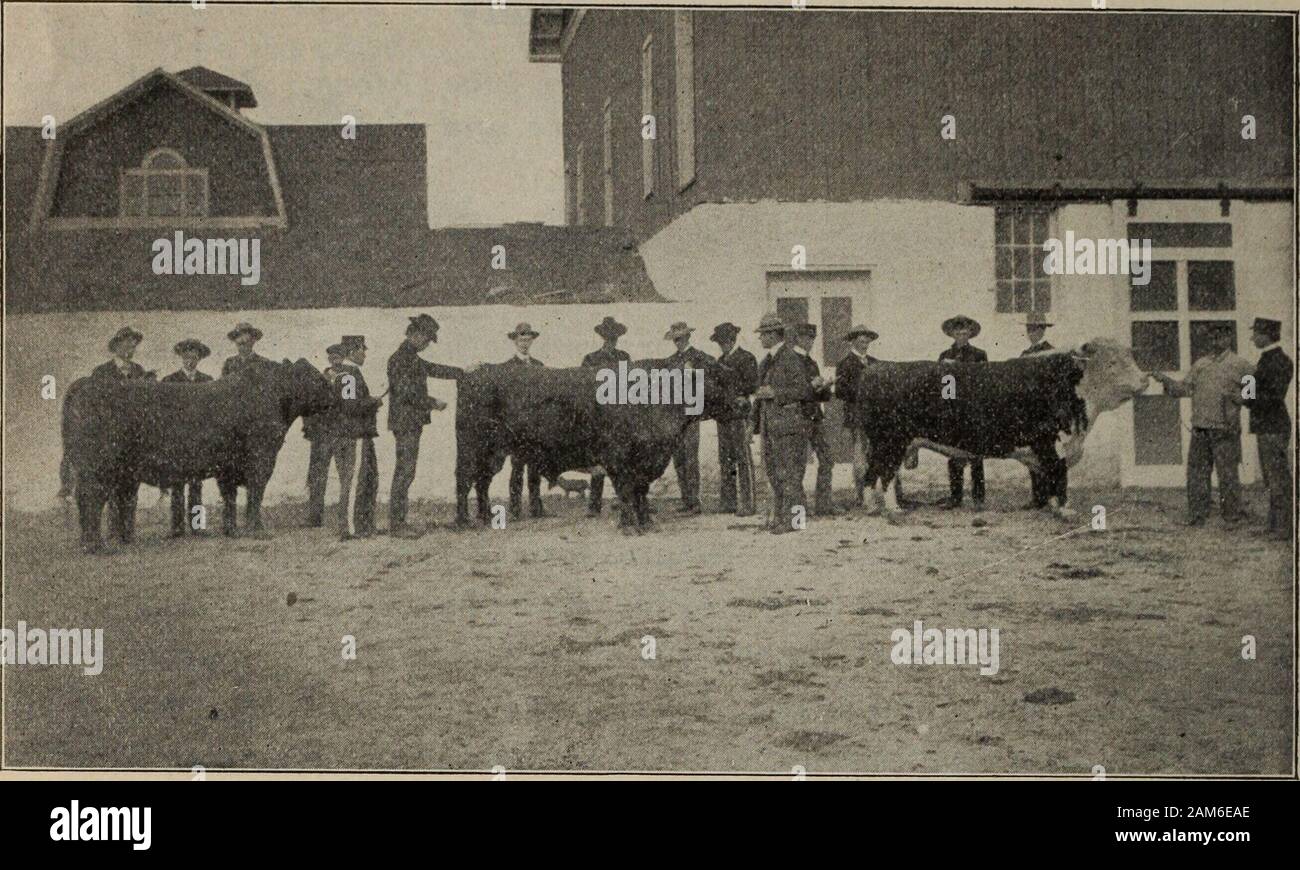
(897, 168)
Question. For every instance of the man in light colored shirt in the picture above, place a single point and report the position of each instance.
(1214, 385)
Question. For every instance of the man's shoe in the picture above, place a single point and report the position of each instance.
(690, 510)
(538, 511)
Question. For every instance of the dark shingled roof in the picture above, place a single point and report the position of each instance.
(211, 81)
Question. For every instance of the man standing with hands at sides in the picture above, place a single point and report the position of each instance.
(805, 335)
(961, 330)
(783, 388)
(607, 356)
(523, 336)
(735, 463)
(245, 336)
(319, 430)
(1036, 328)
(408, 412)
(1270, 423)
(1214, 385)
(686, 458)
(121, 367)
(191, 351)
(848, 373)
(365, 427)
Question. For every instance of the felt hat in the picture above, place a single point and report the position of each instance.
(339, 349)
(1038, 318)
(771, 322)
(126, 333)
(425, 325)
(609, 328)
(725, 332)
(244, 329)
(354, 342)
(861, 329)
(192, 345)
(808, 329)
(678, 330)
(1270, 328)
(523, 329)
(960, 321)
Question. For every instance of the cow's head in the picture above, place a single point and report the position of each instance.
(303, 390)
(1110, 377)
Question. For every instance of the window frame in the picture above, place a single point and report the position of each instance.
(647, 109)
(145, 173)
(1037, 283)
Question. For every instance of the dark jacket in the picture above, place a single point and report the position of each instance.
(1268, 411)
(178, 377)
(848, 373)
(237, 363)
(516, 361)
(813, 409)
(409, 402)
(1037, 348)
(603, 359)
(787, 375)
(691, 358)
(969, 354)
(745, 368)
(111, 371)
(357, 412)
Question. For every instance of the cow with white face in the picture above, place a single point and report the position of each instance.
(1016, 409)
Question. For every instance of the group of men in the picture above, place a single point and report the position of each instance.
(782, 401)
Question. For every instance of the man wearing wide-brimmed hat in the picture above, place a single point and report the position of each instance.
(735, 463)
(686, 458)
(1270, 423)
(607, 356)
(961, 329)
(848, 373)
(185, 497)
(523, 336)
(245, 336)
(784, 386)
(121, 367)
(408, 412)
(1036, 325)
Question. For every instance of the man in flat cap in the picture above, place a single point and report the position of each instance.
(848, 374)
(121, 367)
(365, 425)
(686, 458)
(784, 387)
(408, 411)
(824, 505)
(187, 496)
(245, 336)
(1036, 325)
(607, 356)
(1214, 385)
(735, 464)
(961, 329)
(1270, 423)
(523, 336)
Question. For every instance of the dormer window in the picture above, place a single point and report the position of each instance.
(164, 186)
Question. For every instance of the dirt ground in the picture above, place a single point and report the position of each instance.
(524, 647)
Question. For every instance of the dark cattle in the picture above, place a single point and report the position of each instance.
(550, 419)
(117, 435)
(1017, 409)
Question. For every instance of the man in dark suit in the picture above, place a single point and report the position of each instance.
(408, 412)
(735, 464)
(245, 336)
(686, 458)
(824, 505)
(1270, 423)
(121, 367)
(1036, 325)
(186, 496)
(961, 330)
(784, 387)
(523, 336)
(848, 372)
(607, 356)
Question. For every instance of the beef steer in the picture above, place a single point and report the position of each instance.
(1015, 409)
(119, 434)
(550, 419)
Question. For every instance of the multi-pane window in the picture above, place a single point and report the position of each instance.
(684, 55)
(164, 186)
(1023, 285)
(648, 122)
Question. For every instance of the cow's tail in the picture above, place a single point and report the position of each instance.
(68, 431)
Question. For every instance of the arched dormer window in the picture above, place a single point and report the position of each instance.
(164, 186)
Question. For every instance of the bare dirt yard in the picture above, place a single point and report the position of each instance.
(526, 647)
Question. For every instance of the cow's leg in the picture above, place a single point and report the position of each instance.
(627, 508)
(882, 472)
(91, 496)
(123, 515)
(643, 518)
(229, 501)
(1053, 479)
(253, 513)
(482, 502)
(861, 453)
